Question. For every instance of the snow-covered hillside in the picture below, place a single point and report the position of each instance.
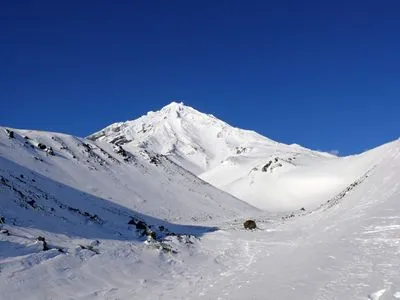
(65, 199)
(142, 181)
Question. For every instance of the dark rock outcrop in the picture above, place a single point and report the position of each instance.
(143, 228)
(10, 133)
(265, 168)
(43, 240)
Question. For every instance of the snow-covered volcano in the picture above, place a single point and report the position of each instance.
(267, 174)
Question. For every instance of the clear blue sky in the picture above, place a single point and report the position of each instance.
(324, 74)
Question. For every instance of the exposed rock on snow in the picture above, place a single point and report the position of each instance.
(10, 133)
(249, 224)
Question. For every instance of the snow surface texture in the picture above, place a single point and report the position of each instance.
(100, 219)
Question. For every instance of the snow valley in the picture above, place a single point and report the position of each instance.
(154, 209)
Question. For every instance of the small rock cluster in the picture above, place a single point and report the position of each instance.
(272, 164)
(48, 150)
(142, 228)
(94, 218)
(155, 160)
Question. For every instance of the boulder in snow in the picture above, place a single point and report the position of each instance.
(10, 133)
(250, 224)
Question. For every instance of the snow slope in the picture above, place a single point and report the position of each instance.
(148, 183)
(269, 175)
(347, 247)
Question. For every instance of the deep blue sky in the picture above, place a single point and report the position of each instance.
(324, 74)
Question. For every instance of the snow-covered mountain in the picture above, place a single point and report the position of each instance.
(262, 172)
(126, 214)
(196, 141)
(199, 142)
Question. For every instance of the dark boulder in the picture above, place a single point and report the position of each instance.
(140, 225)
(249, 224)
(42, 146)
(10, 133)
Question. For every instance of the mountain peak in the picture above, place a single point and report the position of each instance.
(174, 106)
(194, 140)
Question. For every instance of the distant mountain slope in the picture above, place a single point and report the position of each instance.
(284, 181)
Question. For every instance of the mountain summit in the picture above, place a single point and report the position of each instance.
(194, 140)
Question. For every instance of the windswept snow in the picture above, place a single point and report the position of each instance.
(124, 216)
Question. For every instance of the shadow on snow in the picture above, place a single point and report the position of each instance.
(61, 209)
